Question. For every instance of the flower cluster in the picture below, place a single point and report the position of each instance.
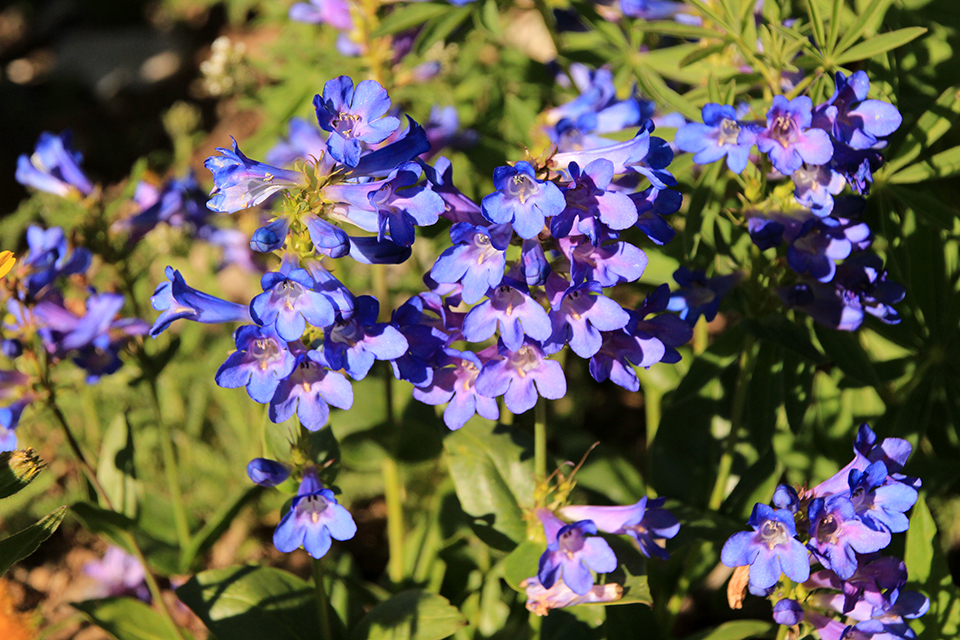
(48, 322)
(821, 149)
(535, 258)
(575, 551)
(841, 524)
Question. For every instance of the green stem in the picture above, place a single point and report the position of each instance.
(126, 535)
(323, 604)
(747, 361)
(540, 439)
(152, 585)
(170, 467)
(392, 495)
(393, 492)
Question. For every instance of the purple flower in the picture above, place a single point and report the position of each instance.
(837, 534)
(771, 549)
(609, 264)
(821, 242)
(580, 315)
(353, 344)
(647, 522)
(353, 115)
(880, 502)
(666, 327)
(540, 600)
(816, 186)
(335, 13)
(517, 314)
(457, 206)
(289, 302)
(50, 258)
(240, 183)
(54, 167)
(787, 612)
(477, 259)
(260, 362)
(652, 204)
(308, 391)
(520, 375)
(854, 120)
(864, 276)
(623, 350)
(788, 138)
(826, 304)
(700, 295)
(457, 386)
(179, 301)
(400, 206)
(719, 135)
(521, 200)
(267, 473)
(118, 574)
(313, 519)
(571, 556)
(590, 204)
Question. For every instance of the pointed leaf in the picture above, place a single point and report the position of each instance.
(20, 545)
(880, 44)
(918, 553)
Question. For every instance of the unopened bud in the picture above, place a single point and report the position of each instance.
(18, 469)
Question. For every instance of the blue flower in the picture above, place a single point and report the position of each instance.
(854, 120)
(54, 167)
(700, 295)
(179, 301)
(880, 503)
(267, 473)
(517, 314)
(816, 186)
(589, 203)
(309, 391)
(579, 316)
(313, 519)
(647, 522)
(771, 549)
(787, 612)
(260, 362)
(788, 138)
(609, 264)
(571, 555)
(400, 206)
(272, 236)
(520, 375)
(720, 135)
(838, 534)
(456, 386)
(240, 183)
(477, 259)
(289, 302)
(521, 200)
(49, 258)
(353, 344)
(353, 115)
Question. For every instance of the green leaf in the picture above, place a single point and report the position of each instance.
(942, 165)
(252, 603)
(631, 573)
(127, 619)
(655, 87)
(116, 471)
(522, 563)
(816, 21)
(20, 545)
(492, 470)
(409, 16)
(875, 9)
(929, 128)
(410, 615)
(848, 354)
(679, 30)
(929, 207)
(777, 329)
(490, 17)
(442, 27)
(710, 12)
(918, 553)
(217, 526)
(797, 389)
(880, 44)
(737, 630)
(17, 470)
(701, 53)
